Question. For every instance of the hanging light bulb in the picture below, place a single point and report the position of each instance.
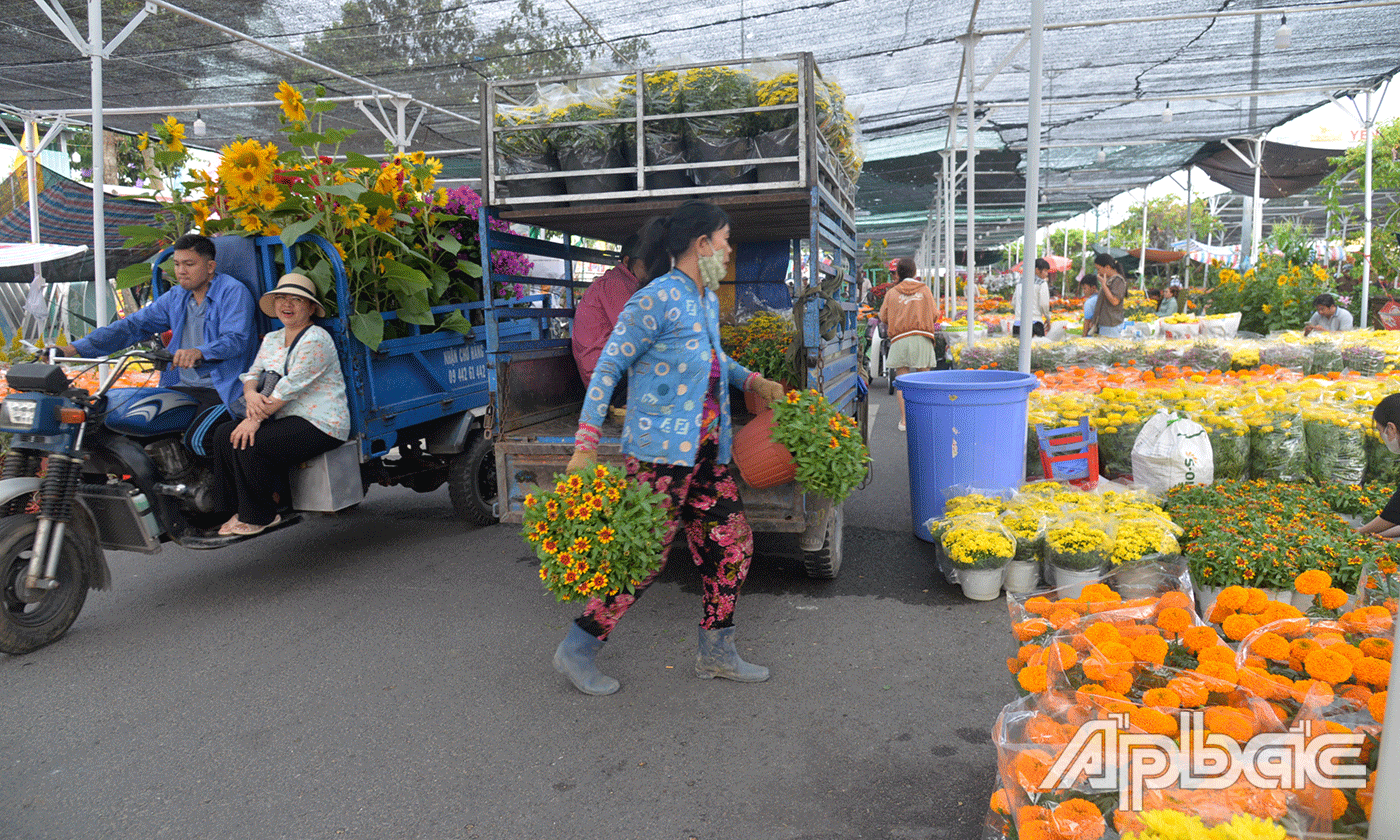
(75, 157)
(1283, 38)
(1103, 155)
(1167, 113)
(200, 129)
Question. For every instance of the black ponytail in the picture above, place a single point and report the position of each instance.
(665, 238)
(1387, 411)
(1108, 261)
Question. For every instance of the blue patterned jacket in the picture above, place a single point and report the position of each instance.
(663, 340)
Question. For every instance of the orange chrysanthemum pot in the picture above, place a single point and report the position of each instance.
(762, 462)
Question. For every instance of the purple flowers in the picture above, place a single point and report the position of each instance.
(465, 202)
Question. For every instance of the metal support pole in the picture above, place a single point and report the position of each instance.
(1142, 252)
(969, 44)
(1365, 321)
(1256, 208)
(99, 224)
(1032, 220)
(1190, 234)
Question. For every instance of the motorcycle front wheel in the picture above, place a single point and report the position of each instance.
(30, 620)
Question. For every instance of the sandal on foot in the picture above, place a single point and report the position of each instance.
(244, 529)
(227, 528)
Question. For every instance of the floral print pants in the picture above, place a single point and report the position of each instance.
(704, 500)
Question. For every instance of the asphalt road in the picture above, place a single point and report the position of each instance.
(386, 674)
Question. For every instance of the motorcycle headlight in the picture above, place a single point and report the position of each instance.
(18, 415)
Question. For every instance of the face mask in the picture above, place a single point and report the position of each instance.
(1393, 444)
(712, 269)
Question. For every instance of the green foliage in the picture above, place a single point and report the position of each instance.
(1293, 240)
(762, 343)
(1276, 295)
(827, 446)
(1166, 223)
(1349, 176)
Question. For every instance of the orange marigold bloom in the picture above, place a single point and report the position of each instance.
(1372, 671)
(1255, 601)
(1219, 653)
(1098, 593)
(1174, 598)
(1327, 665)
(1237, 626)
(1150, 648)
(1029, 629)
(1098, 669)
(1232, 723)
(1313, 692)
(1218, 676)
(1257, 681)
(1339, 803)
(1042, 729)
(1359, 694)
(1121, 682)
(1370, 621)
(1063, 619)
(1025, 652)
(1377, 648)
(1351, 652)
(1013, 665)
(1101, 633)
(1039, 605)
(1174, 620)
(1161, 698)
(1153, 721)
(1232, 598)
(1332, 599)
(1193, 693)
(1199, 637)
(1270, 646)
(1078, 819)
(1116, 652)
(1312, 581)
(1030, 768)
(1376, 705)
(1000, 802)
(1036, 830)
(1033, 678)
(1066, 654)
(1301, 648)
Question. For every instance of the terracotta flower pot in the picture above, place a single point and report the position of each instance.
(761, 462)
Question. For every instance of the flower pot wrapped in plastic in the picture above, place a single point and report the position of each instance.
(1336, 441)
(1080, 542)
(1027, 523)
(1142, 534)
(1287, 354)
(1360, 357)
(979, 548)
(1229, 442)
(1327, 355)
(1277, 446)
(1206, 355)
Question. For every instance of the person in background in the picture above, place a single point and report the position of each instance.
(1329, 317)
(1089, 290)
(1113, 288)
(676, 438)
(1386, 419)
(306, 414)
(1168, 306)
(1040, 306)
(910, 315)
(210, 318)
(596, 314)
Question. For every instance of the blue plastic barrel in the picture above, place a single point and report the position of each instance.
(966, 427)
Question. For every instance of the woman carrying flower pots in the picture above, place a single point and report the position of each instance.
(676, 436)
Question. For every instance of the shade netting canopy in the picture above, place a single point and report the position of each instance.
(1111, 71)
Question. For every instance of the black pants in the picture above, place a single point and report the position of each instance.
(1037, 328)
(247, 480)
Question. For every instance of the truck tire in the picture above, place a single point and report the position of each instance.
(825, 562)
(471, 482)
(29, 625)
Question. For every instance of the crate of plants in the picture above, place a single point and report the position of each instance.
(741, 126)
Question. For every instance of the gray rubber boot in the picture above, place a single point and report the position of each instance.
(574, 659)
(718, 658)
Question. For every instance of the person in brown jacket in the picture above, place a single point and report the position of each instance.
(910, 315)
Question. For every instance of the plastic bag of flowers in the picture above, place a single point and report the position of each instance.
(981, 355)
(596, 533)
(1286, 354)
(1229, 442)
(1206, 356)
(1050, 356)
(1046, 789)
(1026, 518)
(1277, 447)
(1079, 542)
(1336, 442)
(1153, 573)
(1160, 353)
(1381, 466)
(1379, 584)
(1358, 356)
(1326, 677)
(1327, 355)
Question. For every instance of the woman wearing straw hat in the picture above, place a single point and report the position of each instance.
(303, 414)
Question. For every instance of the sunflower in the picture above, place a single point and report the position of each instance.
(383, 220)
(269, 196)
(293, 106)
(174, 133)
(354, 215)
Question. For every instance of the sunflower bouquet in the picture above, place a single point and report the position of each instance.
(827, 446)
(597, 533)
